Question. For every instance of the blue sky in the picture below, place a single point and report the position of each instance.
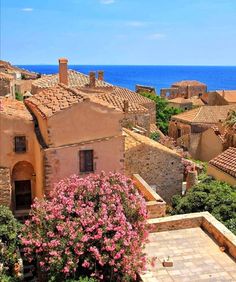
(124, 32)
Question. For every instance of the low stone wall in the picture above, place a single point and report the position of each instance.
(222, 235)
(5, 187)
(155, 204)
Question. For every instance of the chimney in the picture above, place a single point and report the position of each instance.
(92, 79)
(192, 179)
(126, 106)
(101, 75)
(188, 92)
(63, 71)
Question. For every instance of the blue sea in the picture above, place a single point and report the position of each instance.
(216, 77)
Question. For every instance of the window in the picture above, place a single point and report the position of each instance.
(20, 144)
(179, 132)
(23, 194)
(86, 160)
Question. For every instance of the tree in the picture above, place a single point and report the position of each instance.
(216, 197)
(163, 111)
(94, 226)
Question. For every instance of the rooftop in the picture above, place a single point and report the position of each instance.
(75, 79)
(55, 99)
(205, 114)
(180, 100)
(14, 108)
(194, 243)
(118, 102)
(229, 95)
(196, 257)
(6, 76)
(188, 83)
(134, 139)
(226, 161)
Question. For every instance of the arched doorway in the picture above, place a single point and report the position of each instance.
(23, 184)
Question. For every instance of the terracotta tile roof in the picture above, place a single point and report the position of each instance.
(205, 114)
(6, 76)
(118, 102)
(229, 95)
(197, 101)
(14, 108)
(131, 96)
(188, 82)
(75, 79)
(226, 161)
(180, 100)
(55, 99)
(133, 139)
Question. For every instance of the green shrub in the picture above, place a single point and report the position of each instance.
(155, 136)
(163, 111)
(213, 196)
(9, 254)
(19, 96)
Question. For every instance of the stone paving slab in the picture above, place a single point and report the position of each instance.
(195, 255)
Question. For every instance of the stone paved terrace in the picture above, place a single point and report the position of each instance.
(196, 257)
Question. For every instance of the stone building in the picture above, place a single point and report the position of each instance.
(145, 89)
(186, 103)
(184, 89)
(223, 167)
(158, 165)
(222, 97)
(187, 129)
(7, 85)
(63, 130)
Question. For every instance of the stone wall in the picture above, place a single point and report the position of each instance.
(23, 85)
(151, 109)
(137, 119)
(185, 91)
(7, 87)
(5, 187)
(177, 129)
(159, 166)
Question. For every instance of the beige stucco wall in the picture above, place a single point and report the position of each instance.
(83, 121)
(9, 128)
(220, 175)
(62, 162)
(210, 146)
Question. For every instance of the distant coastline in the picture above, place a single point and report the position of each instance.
(216, 77)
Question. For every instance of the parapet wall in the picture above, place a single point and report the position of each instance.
(155, 204)
(222, 235)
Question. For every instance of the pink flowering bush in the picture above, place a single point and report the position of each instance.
(93, 227)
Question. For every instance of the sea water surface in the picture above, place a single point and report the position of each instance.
(216, 77)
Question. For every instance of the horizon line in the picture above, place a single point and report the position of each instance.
(128, 65)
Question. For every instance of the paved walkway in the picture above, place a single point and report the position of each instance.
(196, 257)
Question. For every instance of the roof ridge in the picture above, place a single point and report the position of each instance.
(197, 114)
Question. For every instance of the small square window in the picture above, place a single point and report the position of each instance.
(86, 160)
(20, 144)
